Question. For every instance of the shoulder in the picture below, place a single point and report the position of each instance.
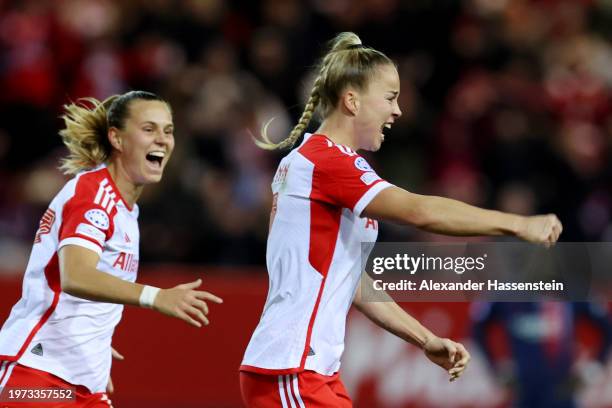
(326, 155)
(95, 187)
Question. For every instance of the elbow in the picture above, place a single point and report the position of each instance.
(417, 210)
(423, 222)
(358, 303)
(67, 284)
(420, 217)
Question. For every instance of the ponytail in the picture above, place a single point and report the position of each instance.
(346, 63)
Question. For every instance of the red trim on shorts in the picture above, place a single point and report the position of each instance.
(270, 371)
(28, 377)
(310, 390)
(287, 393)
(6, 369)
(289, 383)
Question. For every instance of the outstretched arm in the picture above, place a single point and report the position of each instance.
(451, 217)
(387, 314)
(79, 277)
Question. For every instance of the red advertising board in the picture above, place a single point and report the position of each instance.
(170, 364)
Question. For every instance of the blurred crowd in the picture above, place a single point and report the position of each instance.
(507, 104)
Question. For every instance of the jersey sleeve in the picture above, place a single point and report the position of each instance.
(344, 178)
(84, 222)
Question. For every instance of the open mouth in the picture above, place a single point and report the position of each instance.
(156, 158)
(384, 128)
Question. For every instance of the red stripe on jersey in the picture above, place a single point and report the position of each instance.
(324, 229)
(52, 276)
(310, 325)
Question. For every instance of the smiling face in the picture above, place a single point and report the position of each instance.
(377, 108)
(145, 142)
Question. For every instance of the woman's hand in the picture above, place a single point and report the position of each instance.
(449, 355)
(185, 303)
(541, 229)
(110, 388)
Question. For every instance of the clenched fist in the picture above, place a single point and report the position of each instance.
(541, 229)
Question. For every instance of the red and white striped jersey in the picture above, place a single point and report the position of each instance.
(53, 331)
(314, 257)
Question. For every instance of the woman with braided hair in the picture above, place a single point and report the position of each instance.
(84, 261)
(327, 200)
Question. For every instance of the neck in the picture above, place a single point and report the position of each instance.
(129, 191)
(339, 130)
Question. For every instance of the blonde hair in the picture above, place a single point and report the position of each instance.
(86, 133)
(347, 63)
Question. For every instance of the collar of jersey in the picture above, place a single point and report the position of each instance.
(112, 182)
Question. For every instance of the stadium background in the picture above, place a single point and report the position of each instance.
(506, 104)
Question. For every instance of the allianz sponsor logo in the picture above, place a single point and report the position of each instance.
(126, 262)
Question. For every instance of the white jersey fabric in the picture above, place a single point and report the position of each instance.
(314, 257)
(58, 333)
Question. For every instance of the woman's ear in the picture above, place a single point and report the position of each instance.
(350, 102)
(115, 139)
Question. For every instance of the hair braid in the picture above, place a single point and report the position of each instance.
(300, 127)
(347, 63)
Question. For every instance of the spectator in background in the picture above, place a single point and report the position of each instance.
(515, 91)
(542, 368)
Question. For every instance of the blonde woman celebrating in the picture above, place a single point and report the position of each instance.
(327, 200)
(85, 255)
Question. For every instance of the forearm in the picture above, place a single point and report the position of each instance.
(452, 217)
(441, 215)
(79, 277)
(102, 287)
(388, 315)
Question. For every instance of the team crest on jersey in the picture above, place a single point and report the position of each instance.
(362, 164)
(46, 222)
(98, 218)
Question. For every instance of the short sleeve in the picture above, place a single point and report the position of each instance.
(84, 222)
(344, 178)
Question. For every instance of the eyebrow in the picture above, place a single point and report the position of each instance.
(148, 122)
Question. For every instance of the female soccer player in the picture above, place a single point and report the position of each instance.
(326, 201)
(85, 255)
